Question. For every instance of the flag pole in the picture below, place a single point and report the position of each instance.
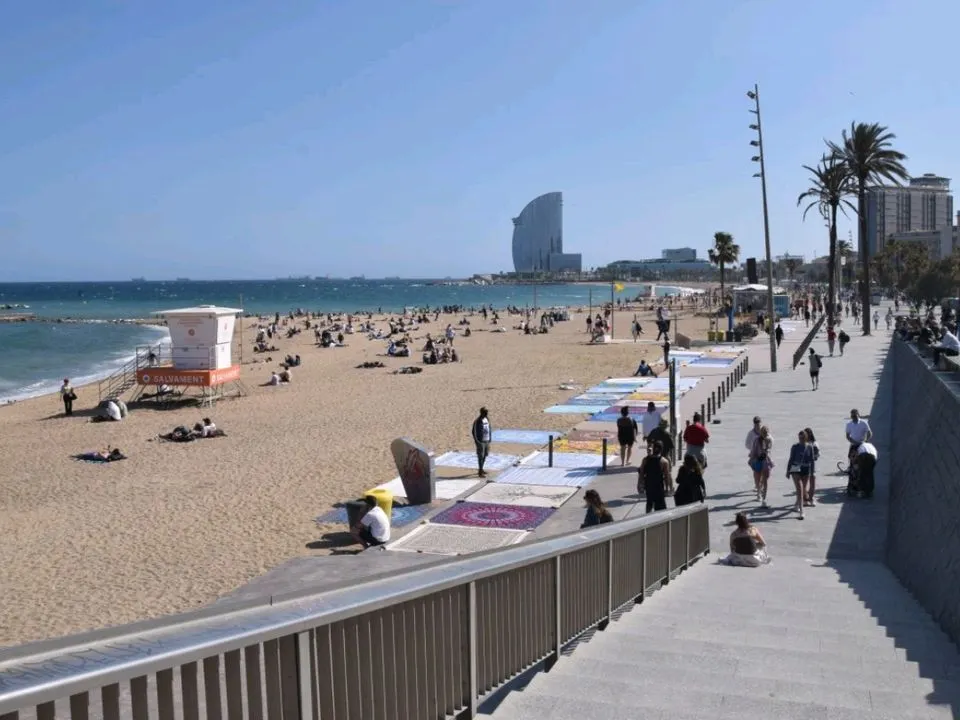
(613, 311)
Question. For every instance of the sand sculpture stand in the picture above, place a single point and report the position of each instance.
(417, 470)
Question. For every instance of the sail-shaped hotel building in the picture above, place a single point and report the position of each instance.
(538, 238)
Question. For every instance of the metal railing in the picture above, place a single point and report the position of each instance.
(126, 376)
(424, 643)
(802, 349)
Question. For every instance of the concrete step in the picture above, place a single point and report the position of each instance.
(592, 705)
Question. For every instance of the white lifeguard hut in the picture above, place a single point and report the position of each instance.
(201, 340)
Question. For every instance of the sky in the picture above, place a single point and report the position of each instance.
(253, 139)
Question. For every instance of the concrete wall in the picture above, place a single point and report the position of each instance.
(923, 539)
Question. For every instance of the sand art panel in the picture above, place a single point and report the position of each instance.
(713, 362)
(525, 437)
(401, 515)
(611, 389)
(444, 489)
(455, 539)
(592, 435)
(574, 409)
(563, 460)
(579, 446)
(589, 398)
(564, 477)
(468, 460)
(532, 495)
(493, 515)
(629, 382)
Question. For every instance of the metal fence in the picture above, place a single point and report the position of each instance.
(802, 349)
(425, 643)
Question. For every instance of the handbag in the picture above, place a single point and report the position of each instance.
(794, 470)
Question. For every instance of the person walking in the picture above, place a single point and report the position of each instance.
(778, 335)
(652, 479)
(843, 338)
(68, 396)
(627, 432)
(799, 467)
(876, 319)
(816, 362)
(690, 485)
(761, 463)
(482, 436)
(831, 339)
(810, 500)
(661, 434)
(696, 436)
(597, 513)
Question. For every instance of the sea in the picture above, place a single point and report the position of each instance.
(92, 341)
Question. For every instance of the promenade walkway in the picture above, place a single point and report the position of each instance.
(824, 632)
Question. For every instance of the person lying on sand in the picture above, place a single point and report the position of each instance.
(110, 455)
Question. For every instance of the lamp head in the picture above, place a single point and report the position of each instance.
(758, 175)
(754, 127)
(755, 158)
(755, 143)
(751, 94)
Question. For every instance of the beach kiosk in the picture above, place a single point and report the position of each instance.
(200, 357)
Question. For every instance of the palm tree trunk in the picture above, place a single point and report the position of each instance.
(722, 293)
(864, 255)
(832, 268)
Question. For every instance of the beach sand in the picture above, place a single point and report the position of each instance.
(179, 524)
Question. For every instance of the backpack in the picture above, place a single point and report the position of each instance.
(815, 362)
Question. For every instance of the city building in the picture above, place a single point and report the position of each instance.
(924, 204)
(679, 255)
(657, 267)
(538, 238)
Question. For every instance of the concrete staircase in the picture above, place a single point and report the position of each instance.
(797, 639)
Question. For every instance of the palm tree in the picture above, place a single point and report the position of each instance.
(830, 185)
(866, 151)
(844, 250)
(724, 252)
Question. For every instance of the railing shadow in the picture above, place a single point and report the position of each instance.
(861, 535)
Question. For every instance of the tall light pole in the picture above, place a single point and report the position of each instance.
(758, 143)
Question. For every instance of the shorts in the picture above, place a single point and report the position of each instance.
(815, 374)
(758, 465)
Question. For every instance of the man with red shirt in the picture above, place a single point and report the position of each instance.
(696, 436)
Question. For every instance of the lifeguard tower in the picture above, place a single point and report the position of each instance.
(200, 356)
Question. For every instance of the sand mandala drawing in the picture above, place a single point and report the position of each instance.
(525, 437)
(401, 515)
(562, 477)
(566, 460)
(455, 539)
(444, 489)
(575, 409)
(493, 515)
(468, 460)
(594, 435)
(579, 446)
(532, 495)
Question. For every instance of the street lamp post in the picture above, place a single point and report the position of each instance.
(758, 143)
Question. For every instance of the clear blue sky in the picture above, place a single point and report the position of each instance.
(247, 138)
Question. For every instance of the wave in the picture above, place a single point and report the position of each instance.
(11, 391)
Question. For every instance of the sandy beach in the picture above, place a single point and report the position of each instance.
(177, 525)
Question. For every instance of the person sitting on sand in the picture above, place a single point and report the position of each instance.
(208, 429)
(274, 378)
(747, 546)
(373, 527)
(644, 370)
(285, 375)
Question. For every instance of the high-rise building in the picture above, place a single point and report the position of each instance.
(924, 204)
(538, 238)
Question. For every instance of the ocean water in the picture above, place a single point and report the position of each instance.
(36, 356)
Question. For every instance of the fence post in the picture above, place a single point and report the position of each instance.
(666, 580)
(643, 569)
(686, 564)
(550, 452)
(713, 400)
(473, 669)
(604, 441)
(604, 623)
(305, 651)
(703, 413)
(557, 628)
